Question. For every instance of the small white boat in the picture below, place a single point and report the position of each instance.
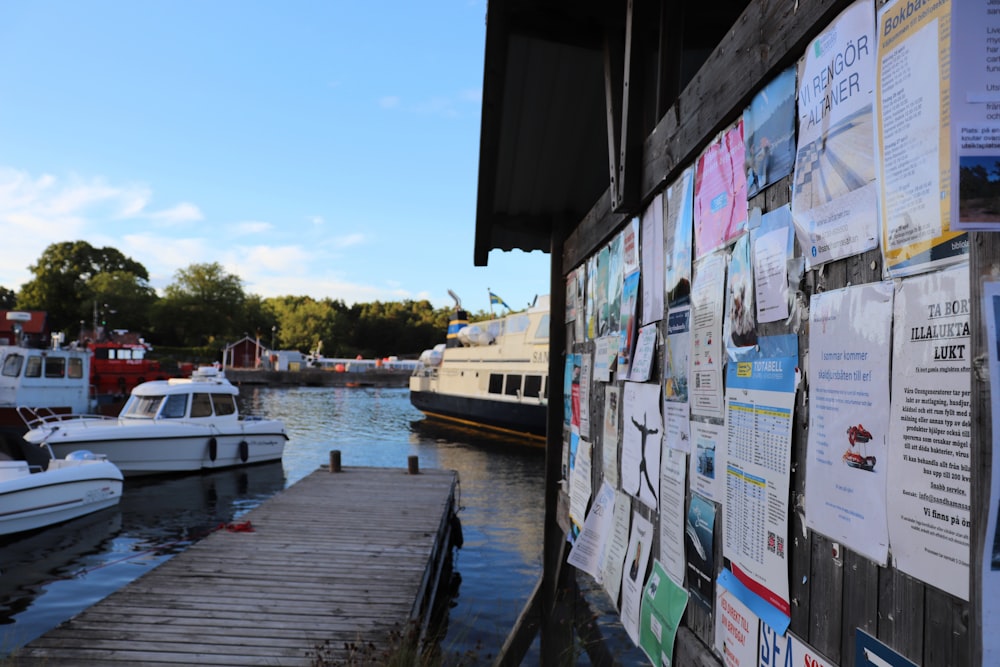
(32, 498)
(175, 425)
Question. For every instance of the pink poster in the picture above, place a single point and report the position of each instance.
(720, 192)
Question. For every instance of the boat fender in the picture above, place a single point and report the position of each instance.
(244, 451)
(213, 449)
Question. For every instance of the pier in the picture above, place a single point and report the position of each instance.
(341, 565)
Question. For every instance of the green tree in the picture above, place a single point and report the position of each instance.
(62, 284)
(124, 300)
(204, 305)
(8, 299)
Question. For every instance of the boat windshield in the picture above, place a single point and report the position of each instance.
(142, 407)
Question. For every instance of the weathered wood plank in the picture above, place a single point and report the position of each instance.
(336, 558)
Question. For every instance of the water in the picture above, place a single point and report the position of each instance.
(46, 578)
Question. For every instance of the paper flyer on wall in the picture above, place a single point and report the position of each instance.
(678, 237)
(769, 133)
(605, 354)
(570, 376)
(834, 192)
(850, 334)
(572, 298)
(913, 155)
(580, 487)
(677, 362)
(706, 353)
(773, 251)
(739, 329)
(672, 520)
(642, 434)
(627, 324)
(642, 358)
(737, 630)
(614, 557)
(585, 373)
(634, 574)
(699, 548)
(601, 295)
(652, 261)
(590, 302)
(760, 399)
(708, 442)
(609, 446)
(990, 575)
(975, 115)
(663, 604)
(720, 192)
(929, 464)
(616, 276)
(591, 545)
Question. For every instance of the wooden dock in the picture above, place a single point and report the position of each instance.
(335, 559)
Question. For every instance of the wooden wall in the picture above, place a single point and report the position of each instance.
(832, 593)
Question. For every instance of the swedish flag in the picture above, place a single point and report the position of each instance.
(495, 300)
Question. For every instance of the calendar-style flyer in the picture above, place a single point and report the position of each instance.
(760, 398)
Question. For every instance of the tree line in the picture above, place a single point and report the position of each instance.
(83, 288)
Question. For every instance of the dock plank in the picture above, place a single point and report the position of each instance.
(336, 559)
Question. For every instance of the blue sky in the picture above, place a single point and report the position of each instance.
(320, 148)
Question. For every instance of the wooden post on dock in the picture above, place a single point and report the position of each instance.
(413, 464)
(334, 460)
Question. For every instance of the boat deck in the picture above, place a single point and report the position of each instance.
(337, 560)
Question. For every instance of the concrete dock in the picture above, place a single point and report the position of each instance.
(336, 562)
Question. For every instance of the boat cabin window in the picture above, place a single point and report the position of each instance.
(513, 387)
(75, 367)
(533, 386)
(496, 383)
(174, 407)
(141, 407)
(225, 404)
(34, 368)
(542, 331)
(201, 405)
(12, 365)
(55, 367)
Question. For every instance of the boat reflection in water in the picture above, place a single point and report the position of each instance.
(48, 576)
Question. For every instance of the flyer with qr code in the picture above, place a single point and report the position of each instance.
(760, 401)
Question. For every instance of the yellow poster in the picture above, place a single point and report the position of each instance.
(913, 158)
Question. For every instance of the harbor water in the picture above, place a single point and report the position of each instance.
(48, 576)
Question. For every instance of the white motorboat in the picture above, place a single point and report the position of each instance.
(32, 497)
(490, 375)
(174, 425)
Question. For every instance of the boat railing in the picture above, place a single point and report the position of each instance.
(39, 417)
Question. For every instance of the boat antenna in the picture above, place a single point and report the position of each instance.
(458, 302)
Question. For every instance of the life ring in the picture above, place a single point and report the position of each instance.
(244, 451)
(213, 449)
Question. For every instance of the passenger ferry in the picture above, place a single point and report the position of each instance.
(491, 375)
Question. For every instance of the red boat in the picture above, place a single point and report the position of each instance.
(119, 364)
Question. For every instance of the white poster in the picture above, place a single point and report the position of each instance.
(645, 348)
(773, 248)
(591, 545)
(990, 575)
(737, 630)
(833, 195)
(787, 650)
(760, 399)
(580, 486)
(676, 408)
(614, 557)
(850, 333)
(585, 376)
(609, 447)
(605, 356)
(652, 261)
(672, 475)
(706, 351)
(928, 484)
(642, 434)
(634, 573)
(707, 440)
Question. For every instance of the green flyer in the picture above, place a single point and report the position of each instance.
(663, 604)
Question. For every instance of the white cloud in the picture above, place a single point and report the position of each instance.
(183, 212)
(349, 240)
(252, 227)
(389, 102)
